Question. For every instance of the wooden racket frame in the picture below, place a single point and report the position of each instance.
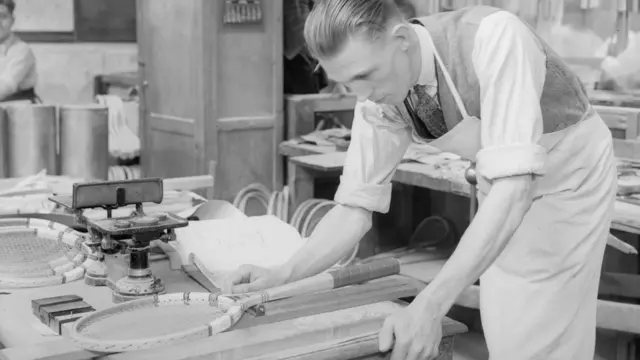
(233, 306)
(67, 268)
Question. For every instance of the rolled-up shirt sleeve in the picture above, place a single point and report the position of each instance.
(379, 139)
(511, 67)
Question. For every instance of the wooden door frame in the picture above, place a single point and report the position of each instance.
(202, 63)
(212, 11)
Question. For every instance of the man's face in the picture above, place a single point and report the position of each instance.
(377, 70)
(6, 22)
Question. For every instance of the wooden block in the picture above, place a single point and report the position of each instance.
(59, 321)
(56, 300)
(49, 313)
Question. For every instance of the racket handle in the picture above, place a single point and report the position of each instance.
(356, 274)
(350, 275)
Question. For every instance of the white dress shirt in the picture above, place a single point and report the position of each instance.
(17, 65)
(511, 67)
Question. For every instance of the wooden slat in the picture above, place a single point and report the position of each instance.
(189, 183)
(273, 338)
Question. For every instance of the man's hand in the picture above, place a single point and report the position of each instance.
(249, 278)
(414, 333)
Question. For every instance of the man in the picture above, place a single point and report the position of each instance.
(17, 64)
(480, 83)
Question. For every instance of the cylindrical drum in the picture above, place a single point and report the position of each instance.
(84, 141)
(31, 139)
(4, 170)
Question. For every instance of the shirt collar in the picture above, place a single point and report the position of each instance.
(428, 71)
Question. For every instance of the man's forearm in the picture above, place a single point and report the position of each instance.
(487, 236)
(332, 239)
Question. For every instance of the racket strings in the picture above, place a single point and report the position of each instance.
(36, 253)
(29, 248)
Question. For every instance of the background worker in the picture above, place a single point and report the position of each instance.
(18, 75)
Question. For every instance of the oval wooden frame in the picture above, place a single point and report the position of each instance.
(202, 331)
(58, 270)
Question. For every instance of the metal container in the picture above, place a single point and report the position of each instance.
(84, 141)
(4, 169)
(31, 139)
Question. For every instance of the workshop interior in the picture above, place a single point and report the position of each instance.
(206, 138)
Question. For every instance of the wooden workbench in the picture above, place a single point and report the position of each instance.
(19, 327)
(347, 323)
(306, 162)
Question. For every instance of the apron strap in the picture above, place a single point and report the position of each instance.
(452, 86)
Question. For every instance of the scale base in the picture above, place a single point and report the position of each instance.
(96, 274)
(132, 288)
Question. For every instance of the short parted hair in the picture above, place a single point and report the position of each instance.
(331, 22)
(10, 4)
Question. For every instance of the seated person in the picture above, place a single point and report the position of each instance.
(17, 63)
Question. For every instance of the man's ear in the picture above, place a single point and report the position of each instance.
(402, 32)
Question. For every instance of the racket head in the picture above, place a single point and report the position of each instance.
(37, 252)
(158, 320)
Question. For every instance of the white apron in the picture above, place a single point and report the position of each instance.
(538, 300)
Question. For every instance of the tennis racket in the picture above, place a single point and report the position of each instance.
(168, 319)
(36, 252)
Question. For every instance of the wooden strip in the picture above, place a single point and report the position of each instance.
(336, 303)
(356, 348)
(616, 225)
(188, 183)
(271, 338)
(388, 284)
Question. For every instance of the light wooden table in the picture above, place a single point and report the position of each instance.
(307, 162)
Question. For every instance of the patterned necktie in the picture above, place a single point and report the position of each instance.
(430, 120)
